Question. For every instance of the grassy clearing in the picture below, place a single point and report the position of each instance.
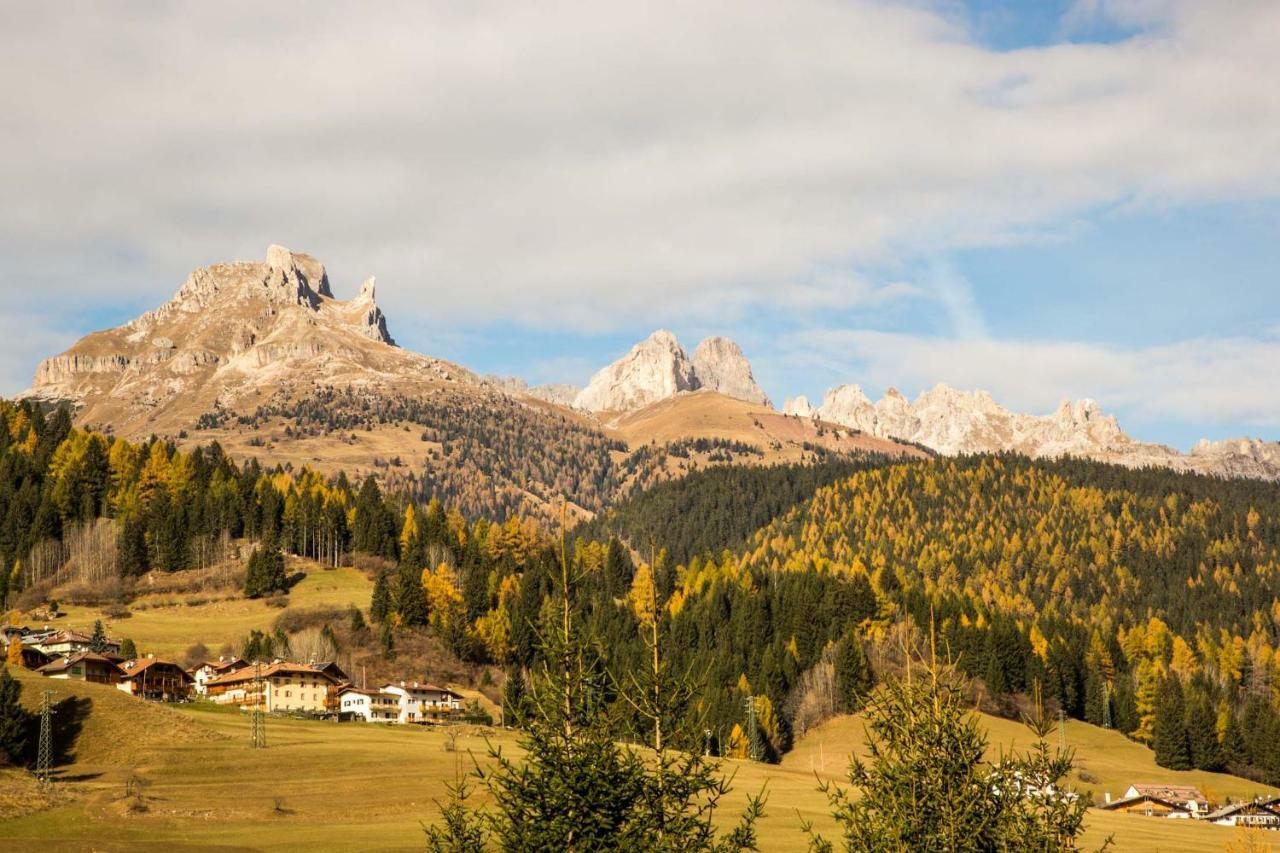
(168, 625)
(354, 786)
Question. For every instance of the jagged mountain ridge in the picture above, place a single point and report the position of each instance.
(953, 422)
(233, 335)
(261, 357)
(239, 336)
(658, 368)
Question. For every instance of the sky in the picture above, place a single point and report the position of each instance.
(1045, 199)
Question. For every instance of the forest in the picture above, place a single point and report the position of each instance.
(1145, 601)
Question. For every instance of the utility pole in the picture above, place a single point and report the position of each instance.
(258, 734)
(44, 757)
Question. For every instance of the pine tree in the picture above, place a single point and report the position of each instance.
(265, 573)
(98, 642)
(1169, 728)
(513, 698)
(853, 675)
(920, 728)
(128, 650)
(380, 604)
(1202, 736)
(387, 639)
(411, 600)
(14, 719)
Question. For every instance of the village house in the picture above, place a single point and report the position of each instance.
(424, 703)
(372, 706)
(284, 687)
(59, 643)
(83, 666)
(1254, 814)
(201, 674)
(331, 669)
(33, 658)
(1172, 801)
(156, 679)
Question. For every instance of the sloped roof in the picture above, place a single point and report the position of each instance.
(1232, 808)
(135, 668)
(1173, 793)
(66, 661)
(248, 673)
(1128, 801)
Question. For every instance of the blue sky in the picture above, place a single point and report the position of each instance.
(1044, 199)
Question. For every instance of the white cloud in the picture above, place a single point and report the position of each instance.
(574, 163)
(1229, 381)
(592, 165)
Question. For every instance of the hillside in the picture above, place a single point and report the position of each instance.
(206, 789)
(261, 357)
(1130, 595)
(719, 507)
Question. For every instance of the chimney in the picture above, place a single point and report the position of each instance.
(1107, 796)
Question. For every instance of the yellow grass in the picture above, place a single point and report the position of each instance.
(167, 625)
(1106, 761)
(355, 786)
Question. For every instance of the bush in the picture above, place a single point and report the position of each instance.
(278, 601)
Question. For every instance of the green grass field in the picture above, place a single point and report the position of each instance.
(351, 786)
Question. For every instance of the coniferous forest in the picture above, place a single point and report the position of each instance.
(1145, 601)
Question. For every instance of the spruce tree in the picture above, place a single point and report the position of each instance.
(98, 642)
(411, 600)
(926, 786)
(1169, 728)
(14, 719)
(380, 604)
(853, 676)
(1202, 736)
(128, 650)
(513, 698)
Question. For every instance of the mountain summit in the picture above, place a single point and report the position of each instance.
(233, 335)
(658, 367)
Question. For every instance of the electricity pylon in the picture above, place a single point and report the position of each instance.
(258, 732)
(44, 757)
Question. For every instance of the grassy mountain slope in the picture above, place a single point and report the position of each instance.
(208, 790)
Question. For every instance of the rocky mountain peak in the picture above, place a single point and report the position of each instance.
(654, 369)
(658, 367)
(721, 366)
(230, 326)
(800, 407)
